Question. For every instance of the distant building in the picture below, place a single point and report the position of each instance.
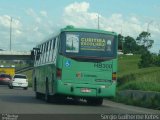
(129, 54)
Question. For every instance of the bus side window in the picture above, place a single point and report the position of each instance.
(46, 50)
(39, 62)
(40, 55)
(43, 53)
(53, 48)
(49, 50)
(54, 41)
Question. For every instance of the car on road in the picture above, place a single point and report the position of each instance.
(19, 80)
(4, 79)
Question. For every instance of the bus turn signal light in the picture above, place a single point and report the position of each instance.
(114, 76)
(78, 75)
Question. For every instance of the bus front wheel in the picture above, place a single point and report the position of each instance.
(38, 95)
(48, 98)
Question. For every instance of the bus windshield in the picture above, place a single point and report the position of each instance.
(88, 45)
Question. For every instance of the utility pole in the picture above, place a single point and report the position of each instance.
(10, 46)
(122, 40)
(98, 22)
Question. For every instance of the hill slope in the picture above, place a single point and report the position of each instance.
(131, 77)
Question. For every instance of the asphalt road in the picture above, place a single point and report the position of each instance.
(19, 101)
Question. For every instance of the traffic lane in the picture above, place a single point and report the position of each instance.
(4, 90)
(23, 101)
(28, 104)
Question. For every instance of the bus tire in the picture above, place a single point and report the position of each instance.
(59, 98)
(95, 101)
(47, 97)
(35, 84)
(38, 95)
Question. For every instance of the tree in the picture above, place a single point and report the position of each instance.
(145, 43)
(144, 40)
(156, 59)
(130, 45)
(120, 42)
(146, 60)
(141, 49)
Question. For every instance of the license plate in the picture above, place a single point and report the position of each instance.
(85, 90)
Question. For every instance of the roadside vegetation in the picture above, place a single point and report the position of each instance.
(140, 71)
(131, 77)
(139, 74)
(146, 100)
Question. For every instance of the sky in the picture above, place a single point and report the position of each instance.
(35, 20)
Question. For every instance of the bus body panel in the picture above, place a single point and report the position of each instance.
(73, 89)
(87, 72)
(86, 75)
(43, 73)
(95, 79)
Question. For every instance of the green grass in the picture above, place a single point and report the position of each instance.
(150, 102)
(127, 64)
(132, 78)
(146, 85)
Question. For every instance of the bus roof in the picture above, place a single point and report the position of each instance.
(71, 28)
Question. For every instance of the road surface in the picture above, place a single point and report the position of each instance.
(19, 101)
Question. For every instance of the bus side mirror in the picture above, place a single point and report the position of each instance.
(35, 53)
(32, 54)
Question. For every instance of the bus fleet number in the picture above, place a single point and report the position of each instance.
(100, 65)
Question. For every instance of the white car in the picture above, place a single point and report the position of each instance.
(19, 80)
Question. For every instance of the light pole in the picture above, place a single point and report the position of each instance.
(123, 39)
(10, 46)
(98, 21)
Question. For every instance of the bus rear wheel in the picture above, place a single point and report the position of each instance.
(47, 97)
(38, 95)
(95, 101)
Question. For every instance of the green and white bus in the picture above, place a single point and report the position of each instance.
(77, 63)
